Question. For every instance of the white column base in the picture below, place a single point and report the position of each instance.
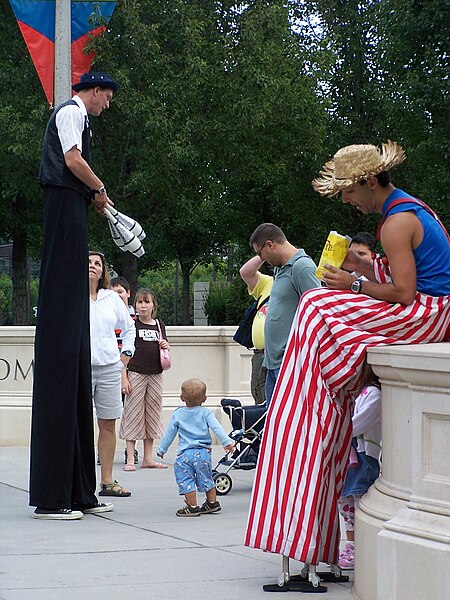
(402, 525)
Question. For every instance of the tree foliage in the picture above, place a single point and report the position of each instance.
(227, 111)
(218, 123)
(387, 78)
(22, 115)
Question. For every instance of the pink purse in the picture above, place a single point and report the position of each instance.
(164, 355)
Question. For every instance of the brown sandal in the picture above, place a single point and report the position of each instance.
(113, 489)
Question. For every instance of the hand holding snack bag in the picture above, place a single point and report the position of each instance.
(334, 252)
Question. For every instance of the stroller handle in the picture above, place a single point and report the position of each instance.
(234, 402)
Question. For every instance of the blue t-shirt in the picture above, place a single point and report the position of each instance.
(433, 253)
(192, 424)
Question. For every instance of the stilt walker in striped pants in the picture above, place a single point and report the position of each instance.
(405, 300)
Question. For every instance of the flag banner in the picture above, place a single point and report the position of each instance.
(88, 19)
(36, 20)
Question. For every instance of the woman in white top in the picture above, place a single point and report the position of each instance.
(107, 313)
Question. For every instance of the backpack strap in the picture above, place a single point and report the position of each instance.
(411, 201)
(263, 302)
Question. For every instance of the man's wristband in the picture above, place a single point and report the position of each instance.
(101, 190)
(356, 286)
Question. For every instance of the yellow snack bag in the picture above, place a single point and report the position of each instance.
(334, 251)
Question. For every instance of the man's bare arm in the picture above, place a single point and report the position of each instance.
(400, 234)
(249, 271)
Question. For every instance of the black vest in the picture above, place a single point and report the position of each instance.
(53, 169)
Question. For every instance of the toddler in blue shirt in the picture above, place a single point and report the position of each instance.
(192, 466)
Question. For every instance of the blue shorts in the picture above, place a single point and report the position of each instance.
(193, 470)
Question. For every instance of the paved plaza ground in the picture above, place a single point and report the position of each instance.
(141, 551)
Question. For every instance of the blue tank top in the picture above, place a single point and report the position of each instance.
(433, 253)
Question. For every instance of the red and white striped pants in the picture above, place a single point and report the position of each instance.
(302, 462)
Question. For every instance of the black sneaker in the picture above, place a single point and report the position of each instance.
(99, 507)
(189, 511)
(57, 514)
(210, 507)
(135, 454)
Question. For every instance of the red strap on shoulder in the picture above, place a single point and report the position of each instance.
(411, 201)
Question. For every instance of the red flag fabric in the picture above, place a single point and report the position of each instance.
(36, 20)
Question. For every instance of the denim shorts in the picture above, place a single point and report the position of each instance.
(358, 480)
(193, 470)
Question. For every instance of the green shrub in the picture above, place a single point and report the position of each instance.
(5, 300)
(226, 302)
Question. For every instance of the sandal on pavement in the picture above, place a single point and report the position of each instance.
(129, 468)
(156, 465)
(113, 489)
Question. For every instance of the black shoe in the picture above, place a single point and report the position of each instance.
(99, 507)
(189, 511)
(57, 514)
(210, 507)
(136, 456)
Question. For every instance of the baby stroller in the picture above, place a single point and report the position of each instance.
(248, 425)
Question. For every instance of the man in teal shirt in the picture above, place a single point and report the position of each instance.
(294, 273)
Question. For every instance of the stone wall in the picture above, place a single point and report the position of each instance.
(205, 352)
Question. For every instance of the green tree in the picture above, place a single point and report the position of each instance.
(217, 126)
(23, 113)
(414, 66)
(386, 78)
(160, 156)
(273, 122)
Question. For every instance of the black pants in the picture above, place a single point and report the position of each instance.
(62, 467)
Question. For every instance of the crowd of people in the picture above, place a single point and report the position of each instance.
(309, 363)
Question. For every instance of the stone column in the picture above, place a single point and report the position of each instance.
(403, 523)
(201, 289)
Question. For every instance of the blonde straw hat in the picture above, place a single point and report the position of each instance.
(354, 163)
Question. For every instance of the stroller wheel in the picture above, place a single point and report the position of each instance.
(223, 483)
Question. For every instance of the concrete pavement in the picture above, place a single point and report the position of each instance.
(141, 551)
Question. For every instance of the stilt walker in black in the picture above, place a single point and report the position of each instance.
(62, 463)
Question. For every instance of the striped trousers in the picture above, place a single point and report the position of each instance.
(306, 441)
(142, 411)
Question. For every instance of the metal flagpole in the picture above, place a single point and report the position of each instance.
(63, 62)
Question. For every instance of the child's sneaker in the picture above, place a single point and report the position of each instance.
(347, 558)
(210, 507)
(189, 511)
